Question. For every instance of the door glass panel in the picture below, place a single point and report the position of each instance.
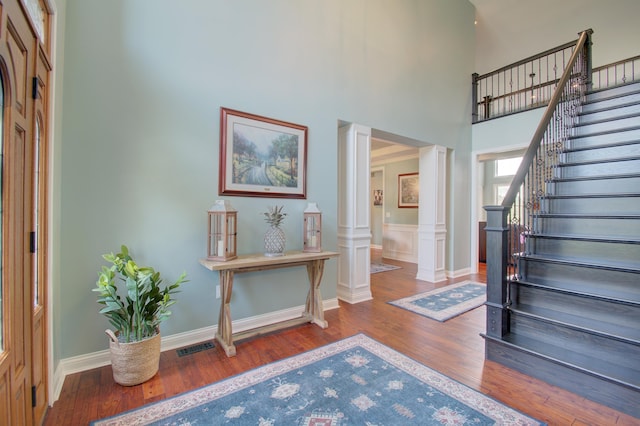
(38, 15)
(36, 216)
(2, 304)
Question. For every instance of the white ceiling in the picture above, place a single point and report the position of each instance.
(383, 151)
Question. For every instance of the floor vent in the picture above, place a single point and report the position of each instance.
(195, 348)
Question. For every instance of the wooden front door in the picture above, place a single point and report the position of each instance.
(39, 239)
(24, 74)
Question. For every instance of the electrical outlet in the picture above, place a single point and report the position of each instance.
(217, 292)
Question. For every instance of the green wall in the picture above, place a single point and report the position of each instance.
(140, 86)
(377, 211)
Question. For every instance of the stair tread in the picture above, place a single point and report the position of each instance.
(568, 260)
(609, 119)
(598, 324)
(578, 360)
(621, 240)
(597, 177)
(605, 109)
(598, 161)
(583, 289)
(605, 145)
(605, 132)
(589, 215)
(593, 195)
(608, 98)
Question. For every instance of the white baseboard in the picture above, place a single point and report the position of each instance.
(458, 273)
(89, 361)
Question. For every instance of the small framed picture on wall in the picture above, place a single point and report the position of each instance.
(408, 190)
(377, 197)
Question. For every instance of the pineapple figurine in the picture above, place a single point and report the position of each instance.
(274, 238)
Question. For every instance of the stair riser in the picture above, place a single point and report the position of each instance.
(602, 95)
(603, 310)
(577, 142)
(599, 169)
(607, 114)
(605, 252)
(615, 351)
(596, 389)
(597, 227)
(595, 186)
(619, 205)
(611, 281)
(604, 153)
(607, 126)
(610, 103)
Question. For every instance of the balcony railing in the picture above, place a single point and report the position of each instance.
(523, 85)
(618, 73)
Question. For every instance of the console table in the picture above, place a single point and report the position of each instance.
(313, 311)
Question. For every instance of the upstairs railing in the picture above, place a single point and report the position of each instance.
(510, 223)
(523, 85)
(626, 71)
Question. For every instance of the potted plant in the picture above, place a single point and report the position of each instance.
(135, 311)
(274, 238)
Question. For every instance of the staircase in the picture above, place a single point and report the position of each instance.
(574, 314)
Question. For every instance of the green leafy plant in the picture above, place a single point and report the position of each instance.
(274, 215)
(136, 314)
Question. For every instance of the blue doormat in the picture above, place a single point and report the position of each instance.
(446, 302)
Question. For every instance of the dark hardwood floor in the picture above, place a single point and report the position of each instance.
(453, 348)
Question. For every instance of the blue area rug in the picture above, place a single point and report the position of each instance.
(382, 267)
(446, 302)
(355, 381)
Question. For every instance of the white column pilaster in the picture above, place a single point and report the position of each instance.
(354, 233)
(432, 224)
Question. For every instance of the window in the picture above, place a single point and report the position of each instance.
(38, 15)
(508, 166)
(499, 191)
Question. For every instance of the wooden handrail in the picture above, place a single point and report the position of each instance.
(528, 157)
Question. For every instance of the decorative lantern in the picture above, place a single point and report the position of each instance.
(312, 229)
(222, 231)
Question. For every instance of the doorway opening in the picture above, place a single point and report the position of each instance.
(394, 225)
(426, 240)
(494, 172)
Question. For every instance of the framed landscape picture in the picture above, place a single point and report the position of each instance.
(408, 190)
(261, 157)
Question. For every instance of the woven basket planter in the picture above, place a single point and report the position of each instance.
(136, 362)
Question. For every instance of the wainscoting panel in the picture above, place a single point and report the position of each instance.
(400, 242)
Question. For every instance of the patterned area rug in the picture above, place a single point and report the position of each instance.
(447, 302)
(353, 381)
(382, 267)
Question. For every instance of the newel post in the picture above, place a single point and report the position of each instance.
(474, 97)
(497, 281)
(588, 60)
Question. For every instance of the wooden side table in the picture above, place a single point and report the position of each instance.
(313, 312)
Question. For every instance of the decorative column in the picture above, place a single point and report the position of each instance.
(432, 224)
(354, 233)
(497, 283)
